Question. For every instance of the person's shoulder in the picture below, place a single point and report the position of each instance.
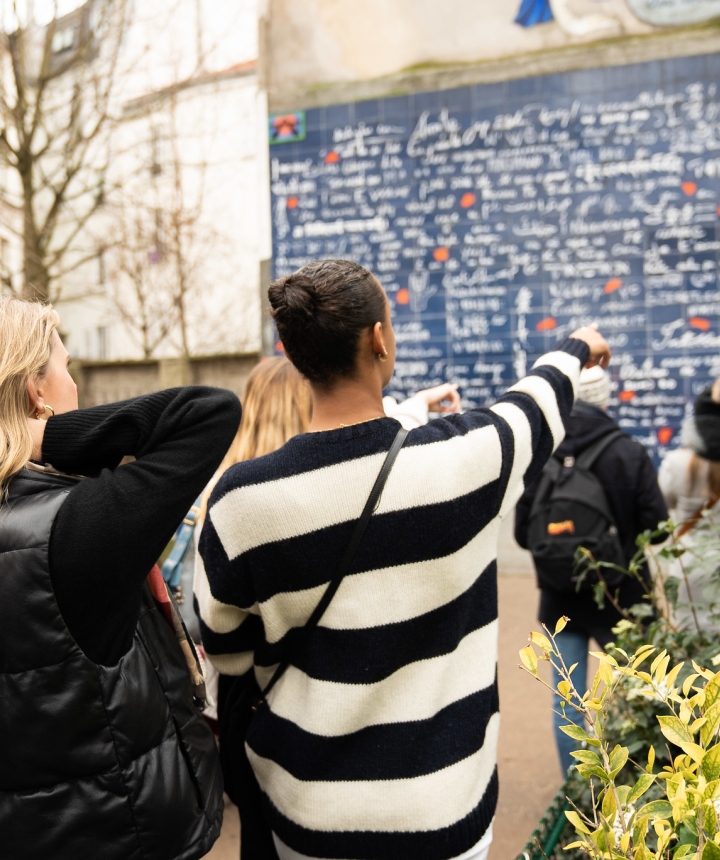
(255, 472)
(678, 457)
(628, 445)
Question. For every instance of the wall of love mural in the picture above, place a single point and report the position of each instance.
(501, 217)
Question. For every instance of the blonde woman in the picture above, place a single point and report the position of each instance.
(277, 405)
(102, 749)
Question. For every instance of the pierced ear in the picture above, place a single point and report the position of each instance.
(36, 404)
(378, 339)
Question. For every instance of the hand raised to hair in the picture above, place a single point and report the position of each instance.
(441, 398)
(600, 352)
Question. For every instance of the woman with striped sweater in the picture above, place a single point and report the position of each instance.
(380, 740)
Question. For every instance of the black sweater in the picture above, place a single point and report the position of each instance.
(114, 525)
(630, 483)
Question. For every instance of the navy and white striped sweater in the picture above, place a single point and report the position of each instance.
(380, 741)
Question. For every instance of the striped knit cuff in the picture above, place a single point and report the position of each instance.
(576, 347)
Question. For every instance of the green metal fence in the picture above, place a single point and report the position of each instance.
(547, 834)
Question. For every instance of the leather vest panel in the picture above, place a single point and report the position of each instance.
(111, 761)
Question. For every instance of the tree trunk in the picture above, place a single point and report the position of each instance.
(36, 279)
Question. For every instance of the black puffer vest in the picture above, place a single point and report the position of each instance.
(95, 761)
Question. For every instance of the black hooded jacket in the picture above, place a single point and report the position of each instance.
(630, 483)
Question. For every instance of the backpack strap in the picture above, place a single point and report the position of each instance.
(346, 561)
(586, 460)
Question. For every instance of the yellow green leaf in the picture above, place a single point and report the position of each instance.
(625, 841)
(656, 809)
(541, 641)
(651, 757)
(609, 806)
(640, 787)
(576, 821)
(695, 751)
(712, 722)
(712, 690)
(564, 688)
(560, 626)
(618, 757)
(711, 852)
(709, 818)
(656, 662)
(711, 763)
(675, 731)
(672, 676)
(606, 673)
(661, 669)
(586, 757)
(688, 682)
(529, 659)
(605, 658)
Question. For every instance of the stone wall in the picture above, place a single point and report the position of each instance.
(105, 382)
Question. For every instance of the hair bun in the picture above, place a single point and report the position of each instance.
(293, 296)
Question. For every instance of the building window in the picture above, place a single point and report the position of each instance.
(63, 40)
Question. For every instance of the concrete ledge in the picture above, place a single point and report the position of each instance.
(684, 42)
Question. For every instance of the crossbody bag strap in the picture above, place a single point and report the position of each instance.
(346, 561)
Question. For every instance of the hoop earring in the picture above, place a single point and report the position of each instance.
(382, 356)
(38, 414)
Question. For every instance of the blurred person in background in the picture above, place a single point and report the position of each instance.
(628, 478)
(690, 481)
(103, 750)
(380, 740)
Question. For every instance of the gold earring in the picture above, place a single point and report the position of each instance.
(38, 414)
(382, 356)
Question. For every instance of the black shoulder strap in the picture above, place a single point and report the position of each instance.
(589, 456)
(347, 559)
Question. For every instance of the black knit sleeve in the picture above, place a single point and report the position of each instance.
(115, 524)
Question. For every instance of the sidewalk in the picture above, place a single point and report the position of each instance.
(528, 766)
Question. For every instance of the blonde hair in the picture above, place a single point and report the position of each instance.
(25, 343)
(277, 405)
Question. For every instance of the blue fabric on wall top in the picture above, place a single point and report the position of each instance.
(534, 12)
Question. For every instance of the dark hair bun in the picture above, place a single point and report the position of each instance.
(320, 312)
(293, 298)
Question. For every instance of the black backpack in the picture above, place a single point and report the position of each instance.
(571, 510)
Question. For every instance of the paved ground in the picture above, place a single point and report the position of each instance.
(529, 772)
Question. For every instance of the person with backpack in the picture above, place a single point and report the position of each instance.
(598, 491)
